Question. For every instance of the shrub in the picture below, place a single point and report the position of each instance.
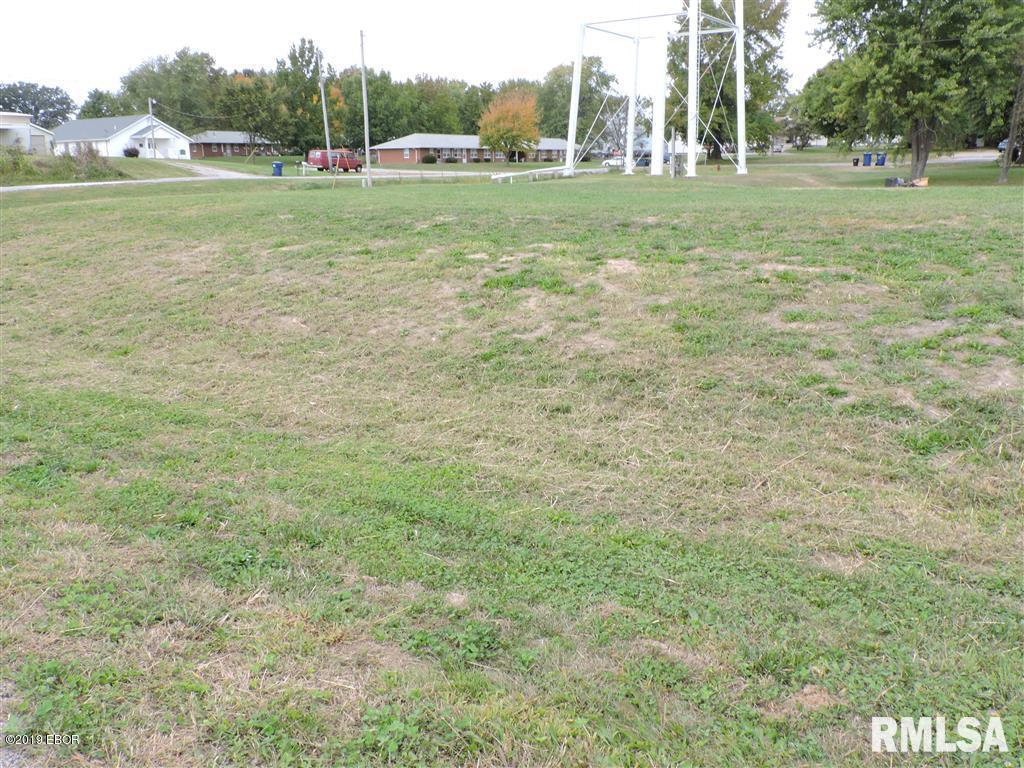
(131, 151)
(15, 162)
(85, 164)
(475, 160)
(429, 159)
(451, 159)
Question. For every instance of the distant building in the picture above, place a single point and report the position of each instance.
(111, 136)
(18, 130)
(461, 148)
(228, 144)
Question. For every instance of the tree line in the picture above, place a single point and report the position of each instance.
(283, 104)
(919, 73)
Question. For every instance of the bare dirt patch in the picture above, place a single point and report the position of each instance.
(920, 330)
(591, 342)
(621, 267)
(774, 266)
(846, 565)
(1000, 377)
(457, 599)
(810, 698)
(688, 657)
(904, 396)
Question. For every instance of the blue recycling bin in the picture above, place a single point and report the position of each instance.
(880, 158)
(867, 159)
(278, 168)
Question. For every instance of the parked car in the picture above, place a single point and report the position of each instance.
(1015, 158)
(613, 162)
(341, 159)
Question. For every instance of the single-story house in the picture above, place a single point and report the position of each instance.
(228, 143)
(18, 130)
(462, 148)
(111, 136)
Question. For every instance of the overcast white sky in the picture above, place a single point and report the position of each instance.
(72, 45)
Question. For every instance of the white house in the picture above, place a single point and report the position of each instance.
(111, 136)
(17, 129)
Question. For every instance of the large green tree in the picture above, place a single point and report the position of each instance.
(186, 86)
(556, 92)
(392, 106)
(923, 70)
(297, 83)
(100, 103)
(436, 104)
(475, 100)
(49, 106)
(247, 104)
(765, 22)
(824, 105)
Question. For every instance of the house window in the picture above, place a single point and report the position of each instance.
(405, 154)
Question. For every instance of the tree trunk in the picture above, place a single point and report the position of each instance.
(1015, 118)
(920, 146)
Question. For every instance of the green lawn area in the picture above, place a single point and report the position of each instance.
(596, 472)
(258, 164)
(54, 170)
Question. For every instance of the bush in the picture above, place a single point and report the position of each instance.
(85, 165)
(475, 160)
(451, 159)
(131, 151)
(429, 159)
(15, 162)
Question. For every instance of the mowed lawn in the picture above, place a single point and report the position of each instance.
(602, 471)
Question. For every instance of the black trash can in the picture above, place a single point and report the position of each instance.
(856, 162)
(278, 168)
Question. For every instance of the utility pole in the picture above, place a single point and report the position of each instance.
(152, 128)
(366, 111)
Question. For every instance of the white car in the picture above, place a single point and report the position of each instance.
(612, 162)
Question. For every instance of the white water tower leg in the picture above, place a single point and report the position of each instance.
(574, 105)
(692, 94)
(658, 121)
(630, 160)
(741, 94)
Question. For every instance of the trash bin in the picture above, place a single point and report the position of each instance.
(880, 158)
(278, 168)
(856, 162)
(867, 159)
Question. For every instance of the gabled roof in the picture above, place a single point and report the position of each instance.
(40, 128)
(453, 141)
(100, 128)
(226, 137)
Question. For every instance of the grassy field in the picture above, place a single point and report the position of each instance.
(259, 164)
(51, 170)
(606, 471)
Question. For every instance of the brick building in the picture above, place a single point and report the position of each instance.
(228, 144)
(460, 147)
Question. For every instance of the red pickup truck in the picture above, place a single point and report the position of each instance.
(341, 159)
